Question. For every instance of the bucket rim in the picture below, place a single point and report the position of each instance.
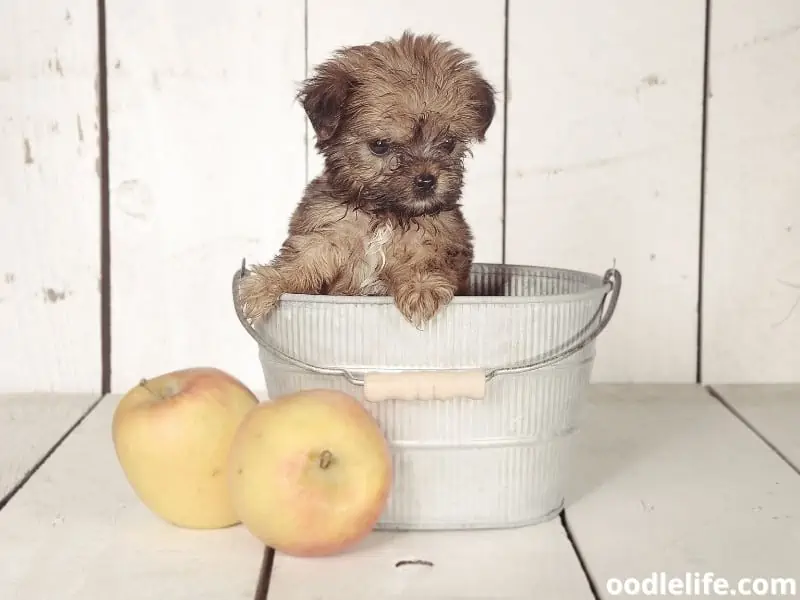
(595, 285)
(612, 281)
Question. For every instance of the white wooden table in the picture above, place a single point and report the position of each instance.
(666, 479)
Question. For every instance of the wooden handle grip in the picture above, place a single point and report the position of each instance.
(424, 385)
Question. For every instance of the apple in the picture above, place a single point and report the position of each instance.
(172, 435)
(310, 472)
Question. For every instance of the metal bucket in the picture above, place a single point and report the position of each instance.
(478, 408)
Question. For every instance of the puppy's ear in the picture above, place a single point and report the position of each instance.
(323, 97)
(483, 100)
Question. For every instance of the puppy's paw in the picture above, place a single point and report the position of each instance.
(259, 291)
(420, 301)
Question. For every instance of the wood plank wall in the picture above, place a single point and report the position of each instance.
(640, 132)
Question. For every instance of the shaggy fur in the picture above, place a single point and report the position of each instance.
(394, 121)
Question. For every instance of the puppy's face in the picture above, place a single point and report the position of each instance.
(394, 121)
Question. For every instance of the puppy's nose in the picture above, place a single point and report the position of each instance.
(426, 181)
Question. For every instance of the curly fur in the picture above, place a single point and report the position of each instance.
(385, 115)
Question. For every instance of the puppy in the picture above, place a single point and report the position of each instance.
(394, 121)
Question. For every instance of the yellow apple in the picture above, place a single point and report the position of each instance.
(310, 472)
(172, 435)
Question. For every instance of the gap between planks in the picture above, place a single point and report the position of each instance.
(712, 485)
(265, 575)
(727, 396)
(80, 493)
(46, 451)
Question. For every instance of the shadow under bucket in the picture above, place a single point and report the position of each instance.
(479, 408)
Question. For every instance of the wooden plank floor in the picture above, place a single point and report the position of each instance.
(76, 531)
(475, 565)
(30, 426)
(773, 412)
(666, 479)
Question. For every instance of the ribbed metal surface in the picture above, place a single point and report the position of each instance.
(459, 463)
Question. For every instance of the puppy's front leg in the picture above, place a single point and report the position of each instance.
(420, 289)
(305, 264)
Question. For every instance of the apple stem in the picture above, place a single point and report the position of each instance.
(325, 459)
(144, 383)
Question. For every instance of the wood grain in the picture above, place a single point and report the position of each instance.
(604, 163)
(76, 531)
(30, 426)
(49, 198)
(513, 564)
(751, 300)
(479, 29)
(206, 165)
(667, 480)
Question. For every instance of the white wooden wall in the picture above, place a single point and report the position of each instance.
(602, 160)
(49, 197)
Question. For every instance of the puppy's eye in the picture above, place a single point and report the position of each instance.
(379, 147)
(448, 145)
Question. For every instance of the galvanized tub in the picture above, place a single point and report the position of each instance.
(479, 408)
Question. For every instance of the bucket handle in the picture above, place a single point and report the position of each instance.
(612, 281)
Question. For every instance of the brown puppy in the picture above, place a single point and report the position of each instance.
(394, 121)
